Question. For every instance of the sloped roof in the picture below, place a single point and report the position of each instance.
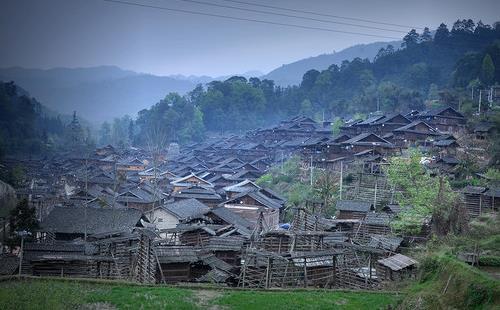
(438, 111)
(259, 197)
(197, 192)
(243, 186)
(389, 117)
(353, 205)
(359, 139)
(445, 143)
(493, 192)
(377, 218)
(473, 190)
(183, 181)
(484, 127)
(413, 124)
(72, 220)
(390, 243)
(186, 208)
(397, 262)
(243, 225)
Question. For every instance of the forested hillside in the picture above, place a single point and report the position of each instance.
(424, 71)
(291, 74)
(27, 127)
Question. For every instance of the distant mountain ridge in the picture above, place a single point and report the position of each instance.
(104, 92)
(96, 93)
(291, 74)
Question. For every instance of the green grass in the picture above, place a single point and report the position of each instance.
(57, 294)
(447, 283)
(306, 300)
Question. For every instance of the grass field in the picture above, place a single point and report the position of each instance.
(54, 294)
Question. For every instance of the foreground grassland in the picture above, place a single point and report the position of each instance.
(54, 294)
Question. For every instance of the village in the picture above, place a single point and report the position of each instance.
(199, 213)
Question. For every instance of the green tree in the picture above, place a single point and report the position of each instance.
(411, 39)
(23, 217)
(336, 124)
(442, 34)
(426, 35)
(421, 196)
(487, 70)
(105, 134)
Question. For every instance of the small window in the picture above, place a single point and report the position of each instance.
(160, 220)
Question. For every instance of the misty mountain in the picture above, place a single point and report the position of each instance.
(96, 93)
(101, 93)
(291, 74)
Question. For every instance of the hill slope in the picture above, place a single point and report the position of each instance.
(291, 74)
(97, 93)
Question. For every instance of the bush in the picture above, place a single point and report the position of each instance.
(489, 260)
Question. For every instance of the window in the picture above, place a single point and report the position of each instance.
(160, 220)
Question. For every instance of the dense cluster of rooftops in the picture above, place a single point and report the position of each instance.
(205, 209)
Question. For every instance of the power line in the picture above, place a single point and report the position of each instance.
(247, 19)
(323, 14)
(288, 15)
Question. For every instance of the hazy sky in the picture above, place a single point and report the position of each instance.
(82, 33)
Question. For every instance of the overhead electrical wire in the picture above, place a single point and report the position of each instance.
(323, 14)
(247, 19)
(288, 15)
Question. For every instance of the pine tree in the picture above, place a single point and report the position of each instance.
(487, 70)
(410, 39)
(426, 35)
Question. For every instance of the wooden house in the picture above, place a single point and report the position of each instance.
(189, 181)
(206, 195)
(169, 215)
(251, 205)
(415, 133)
(367, 141)
(68, 223)
(353, 209)
(397, 267)
(241, 187)
(131, 165)
(484, 130)
(445, 119)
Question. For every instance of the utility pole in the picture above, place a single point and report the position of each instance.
(341, 178)
(282, 163)
(311, 167)
(86, 198)
(480, 97)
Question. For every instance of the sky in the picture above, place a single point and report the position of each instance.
(85, 33)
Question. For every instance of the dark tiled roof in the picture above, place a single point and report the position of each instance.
(377, 218)
(353, 205)
(473, 190)
(72, 220)
(397, 262)
(484, 127)
(493, 192)
(240, 223)
(385, 242)
(445, 143)
(186, 208)
(416, 123)
(197, 192)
